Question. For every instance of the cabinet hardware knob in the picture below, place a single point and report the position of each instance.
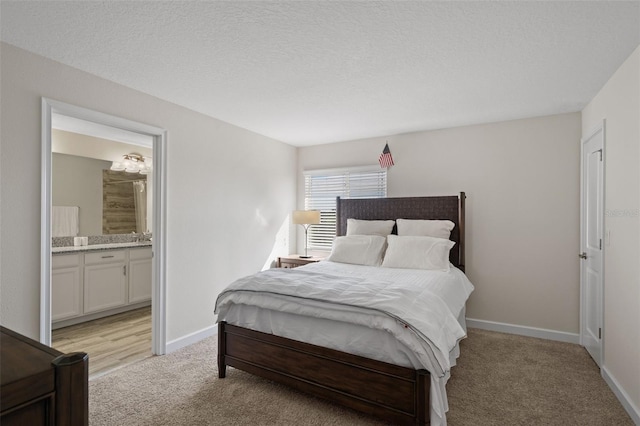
(582, 255)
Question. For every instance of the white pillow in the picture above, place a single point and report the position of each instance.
(358, 249)
(425, 228)
(417, 253)
(369, 227)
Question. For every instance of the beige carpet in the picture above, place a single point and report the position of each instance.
(500, 380)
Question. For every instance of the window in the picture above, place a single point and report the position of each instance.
(321, 187)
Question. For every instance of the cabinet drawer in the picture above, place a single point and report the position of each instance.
(140, 253)
(65, 261)
(105, 257)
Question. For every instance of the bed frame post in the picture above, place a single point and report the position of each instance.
(423, 384)
(222, 349)
(461, 215)
(338, 233)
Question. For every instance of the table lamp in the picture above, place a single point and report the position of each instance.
(306, 218)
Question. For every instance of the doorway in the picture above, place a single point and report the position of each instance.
(51, 109)
(591, 243)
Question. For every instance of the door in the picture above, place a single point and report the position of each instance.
(104, 287)
(105, 284)
(591, 255)
(140, 279)
(66, 290)
(66, 287)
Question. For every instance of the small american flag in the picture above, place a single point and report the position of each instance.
(386, 160)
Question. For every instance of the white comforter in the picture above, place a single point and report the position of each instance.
(419, 308)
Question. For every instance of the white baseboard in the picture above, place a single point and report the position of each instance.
(523, 330)
(192, 338)
(622, 396)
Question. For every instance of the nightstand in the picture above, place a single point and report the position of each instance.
(294, 260)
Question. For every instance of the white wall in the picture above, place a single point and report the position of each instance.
(522, 182)
(77, 181)
(618, 102)
(92, 147)
(229, 191)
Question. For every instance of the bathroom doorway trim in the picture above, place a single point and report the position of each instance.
(159, 135)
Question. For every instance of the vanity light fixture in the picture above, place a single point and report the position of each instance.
(133, 163)
(306, 218)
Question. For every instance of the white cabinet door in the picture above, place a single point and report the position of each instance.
(139, 280)
(140, 275)
(66, 293)
(105, 286)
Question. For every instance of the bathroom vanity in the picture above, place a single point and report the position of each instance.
(90, 282)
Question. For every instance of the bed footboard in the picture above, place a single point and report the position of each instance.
(383, 390)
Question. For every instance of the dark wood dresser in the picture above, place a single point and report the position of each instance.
(40, 385)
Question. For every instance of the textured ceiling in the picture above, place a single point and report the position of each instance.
(307, 72)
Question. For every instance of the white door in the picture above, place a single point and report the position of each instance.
(591, 255)
(140, 271)
(66, 293)
(105, 287)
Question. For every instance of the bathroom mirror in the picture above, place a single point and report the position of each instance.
(124, 202)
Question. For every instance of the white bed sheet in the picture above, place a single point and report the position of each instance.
(359, 339)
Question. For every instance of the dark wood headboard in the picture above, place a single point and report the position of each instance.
(442, 208)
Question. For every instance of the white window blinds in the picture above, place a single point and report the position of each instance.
(323, 186)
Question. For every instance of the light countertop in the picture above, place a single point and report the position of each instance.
(99, 247)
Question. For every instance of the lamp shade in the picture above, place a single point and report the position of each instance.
(305, 217)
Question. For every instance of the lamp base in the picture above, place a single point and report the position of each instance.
(305, 257)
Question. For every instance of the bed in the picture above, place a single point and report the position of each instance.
(397, 391)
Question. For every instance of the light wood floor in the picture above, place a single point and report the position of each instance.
(111, 342)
